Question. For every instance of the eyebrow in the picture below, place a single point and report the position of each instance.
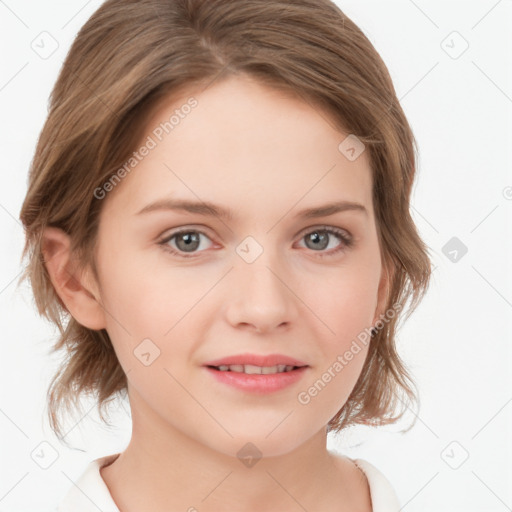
(213, 210)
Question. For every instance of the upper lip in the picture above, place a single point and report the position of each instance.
(256, 360)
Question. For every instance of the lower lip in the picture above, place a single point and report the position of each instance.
(259, 383)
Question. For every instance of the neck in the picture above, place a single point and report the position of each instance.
(164, 469)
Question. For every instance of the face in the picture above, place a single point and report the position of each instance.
(181, 288)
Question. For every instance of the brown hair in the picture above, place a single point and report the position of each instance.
(133, 54)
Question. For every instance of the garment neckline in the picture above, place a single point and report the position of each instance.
(382, 494)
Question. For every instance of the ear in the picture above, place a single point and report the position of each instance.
(383, 293)
(76, 289)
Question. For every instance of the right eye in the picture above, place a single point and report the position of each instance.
(185, 241)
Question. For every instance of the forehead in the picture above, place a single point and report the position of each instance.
(247, 146)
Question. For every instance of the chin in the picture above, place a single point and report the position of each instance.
(257, 444)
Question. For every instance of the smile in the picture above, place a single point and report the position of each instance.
(257, 379)
(253, 370)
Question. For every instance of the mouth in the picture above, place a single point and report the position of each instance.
(256, 364)
(256, 370)
(253, 378)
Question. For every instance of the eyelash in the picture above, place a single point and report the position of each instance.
(345, 238)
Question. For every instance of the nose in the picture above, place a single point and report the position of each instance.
(259, 297)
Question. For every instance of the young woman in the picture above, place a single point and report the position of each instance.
(219, 207)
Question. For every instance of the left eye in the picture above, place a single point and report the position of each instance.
(188, 241)
(320, 239)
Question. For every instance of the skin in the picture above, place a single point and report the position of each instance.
(266, 155)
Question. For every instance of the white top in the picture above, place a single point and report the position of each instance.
(90, 493)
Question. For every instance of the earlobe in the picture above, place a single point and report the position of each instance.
(69, 282)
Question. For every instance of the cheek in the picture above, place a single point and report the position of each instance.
(343, 337)
(150, 313)
(143, 296)
(346, 306)
(345, 302)
(352, 308)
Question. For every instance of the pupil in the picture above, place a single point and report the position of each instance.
(318, 239)
(191, 241)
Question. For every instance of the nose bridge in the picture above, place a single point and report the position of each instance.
(260, 276)
(259, 296)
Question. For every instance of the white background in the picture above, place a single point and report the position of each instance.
(457, 344)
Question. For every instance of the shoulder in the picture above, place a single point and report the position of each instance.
(383, 496)
(90, 492)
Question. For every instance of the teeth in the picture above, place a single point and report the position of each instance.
(251, 369)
